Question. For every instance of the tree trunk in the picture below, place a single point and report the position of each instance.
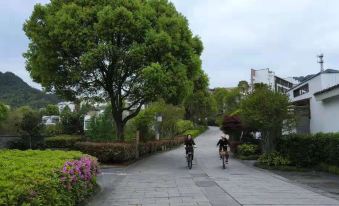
(120, 130)
(119, 124)
(269, 141)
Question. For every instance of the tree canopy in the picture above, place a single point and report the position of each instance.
(127, 52)
(265, 110)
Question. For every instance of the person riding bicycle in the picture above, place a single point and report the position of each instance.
(189, 143)
(222, 143)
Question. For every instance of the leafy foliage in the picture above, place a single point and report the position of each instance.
(265, 110)
(184, 125)
(122, 51)
(274, 159)
(102, 128)
(50, 109)
(227, 100)
(310, 150)
(17, 93)
(248, 149)
(51, 130)
(34, 178)
(30, 127)
(145, 121)
(196, 131)
(3, 112)
(199, 106)
(243, 86)
(71, 122)
(232, 125)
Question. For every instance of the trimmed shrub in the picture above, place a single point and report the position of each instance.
(108, 152)
(311, 150)
(62, 141)
(35, 177)
(124, 152)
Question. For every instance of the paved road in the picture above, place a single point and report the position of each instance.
(164, 179)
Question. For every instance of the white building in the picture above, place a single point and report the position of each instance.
(316, 103)
(62, 105)
(50, 120)
(268, 77)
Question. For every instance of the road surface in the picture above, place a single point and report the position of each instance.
(164, 179)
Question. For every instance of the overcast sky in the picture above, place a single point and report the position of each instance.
(283, 35)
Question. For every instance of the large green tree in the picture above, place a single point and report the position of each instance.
(50, 109)
(3, 112)
(127, 52)
(227, 100)
(266, 111)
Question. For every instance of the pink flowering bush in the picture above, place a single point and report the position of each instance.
(79, 176)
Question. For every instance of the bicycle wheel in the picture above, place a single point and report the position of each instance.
(189, 161)
(223, 162)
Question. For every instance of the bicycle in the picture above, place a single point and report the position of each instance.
(224, 157)
(189, 156)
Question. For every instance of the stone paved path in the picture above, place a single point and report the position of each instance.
(164, 179)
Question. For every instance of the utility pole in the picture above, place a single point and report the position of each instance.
(321, 62)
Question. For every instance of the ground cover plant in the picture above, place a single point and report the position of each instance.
(48, 177)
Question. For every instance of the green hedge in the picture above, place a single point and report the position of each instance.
(311, 150)
(62, 141)
(35, 177)
(124, 152)
(108, 152)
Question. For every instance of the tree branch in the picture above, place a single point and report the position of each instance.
(134, 114)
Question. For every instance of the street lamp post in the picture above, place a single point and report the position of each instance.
(158, 121)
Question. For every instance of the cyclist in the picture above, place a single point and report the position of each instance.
(189, 143)
(222, 143)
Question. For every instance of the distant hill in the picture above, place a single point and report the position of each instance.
(304, 78)
(15, 92)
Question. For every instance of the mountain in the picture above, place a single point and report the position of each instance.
(15, 92)
(304, 78)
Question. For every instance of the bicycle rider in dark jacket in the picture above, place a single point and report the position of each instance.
(189, 143)
(222, 143)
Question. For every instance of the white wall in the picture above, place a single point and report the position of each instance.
(329, 80)
(263, 76)
(324, 114)
(325, 117)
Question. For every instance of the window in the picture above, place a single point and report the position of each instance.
(301, 90)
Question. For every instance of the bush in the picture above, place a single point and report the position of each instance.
(52, 130)
(184, 125)
(273, 159)
(62, 141)
(110, 152)
(45, 177)
(248, 149)
(311, 150)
